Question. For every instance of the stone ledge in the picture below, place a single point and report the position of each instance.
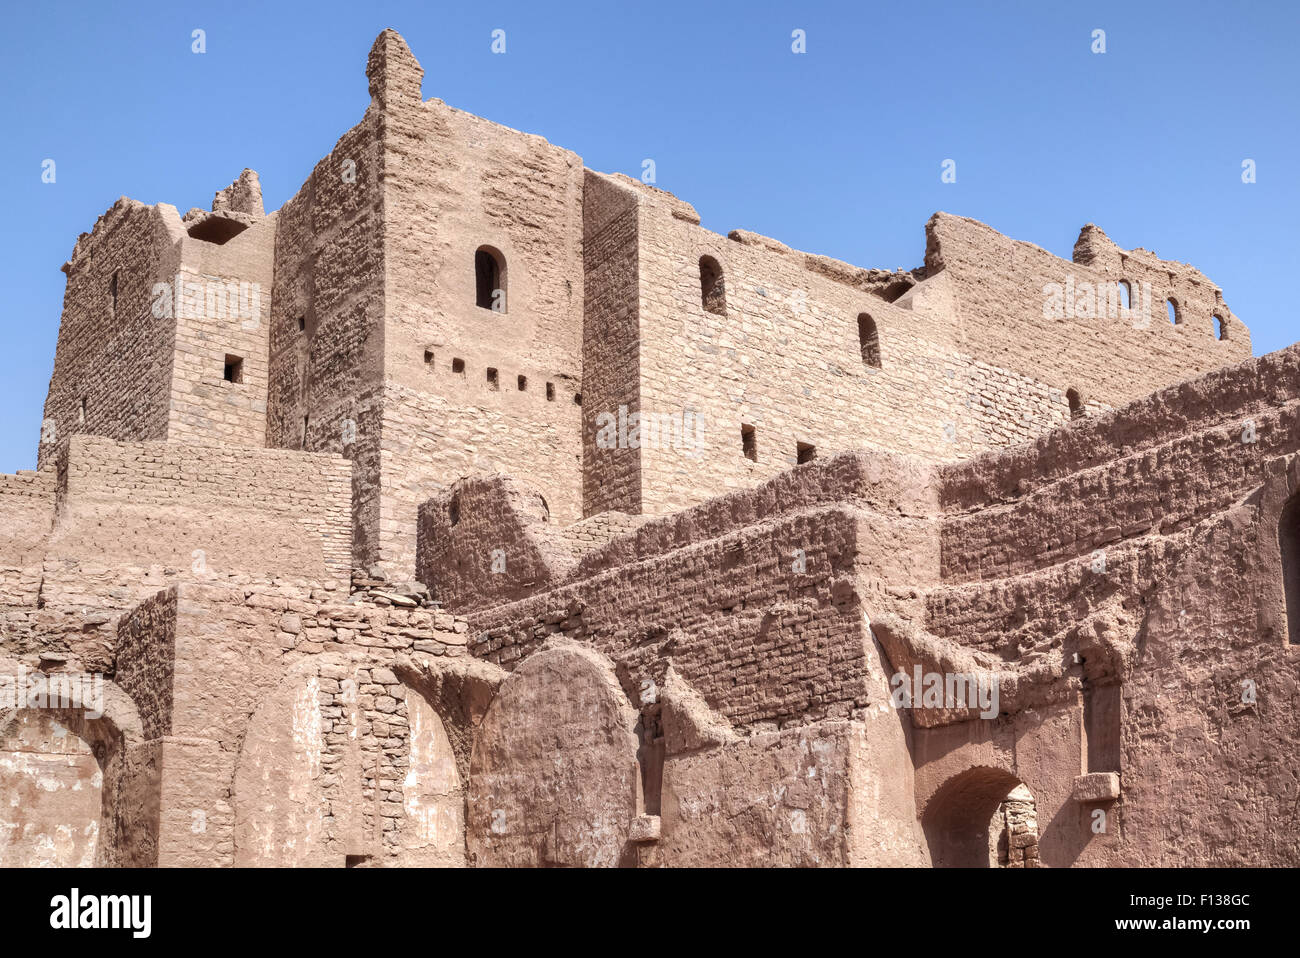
(1096, 787)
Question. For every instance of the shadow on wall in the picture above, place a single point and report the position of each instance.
(983, 817)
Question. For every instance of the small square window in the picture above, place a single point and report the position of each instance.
(494, 382)
(805, 452)
(458, 366)
(234, 369)
(749, 442)
(428, 357)
(577, 399)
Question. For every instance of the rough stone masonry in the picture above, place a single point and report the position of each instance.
(477, 508)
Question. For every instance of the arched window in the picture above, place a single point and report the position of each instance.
(869, 340)
(1288, 535)
(490, 279)
(1220, 326)
(1077, 408)
(713, 291)
(1125, 295)
(1175, 314)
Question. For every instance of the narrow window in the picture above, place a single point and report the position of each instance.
(1289, 537)
(302, 323)
(234, 369)
(458, 366)
(713, 291)
(869, 341)
(493, 380)
(81, 412)
(453, 510)
(577, 399)
(305, 420)
(490, 279)
(522, 383)
(428, 358)
(1175, 315)
(112, 292)
(749, 442)
(1077, 408)
(1220, 326)
(1125, 295)
(550, 392)
(805, 452)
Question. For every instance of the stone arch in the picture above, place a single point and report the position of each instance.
(87, 787)
(981, 817)
(554, 778)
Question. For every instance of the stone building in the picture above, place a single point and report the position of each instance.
(476, 507)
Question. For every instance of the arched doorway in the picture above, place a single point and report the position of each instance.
(981, 818)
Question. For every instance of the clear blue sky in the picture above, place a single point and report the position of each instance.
(835, 151)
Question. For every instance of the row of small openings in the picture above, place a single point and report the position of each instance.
(1173, 309)
(804, 452)
(494, 377)
(713, 296)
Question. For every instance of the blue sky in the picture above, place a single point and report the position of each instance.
(835, 151)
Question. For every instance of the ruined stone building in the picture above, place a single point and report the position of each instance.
(476, 507)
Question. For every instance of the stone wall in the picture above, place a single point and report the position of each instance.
(244, 509)
(113, 363)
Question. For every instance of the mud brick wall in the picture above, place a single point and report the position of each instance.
(454, 183)
(112, 352)
(247, 509)
(487, 541)
(787, 360)
(1159, 488)
(326, 332)
(26, 515)
(204, 406)
(611, 362)
(1233, 394)
(997, 284)
(761, 643)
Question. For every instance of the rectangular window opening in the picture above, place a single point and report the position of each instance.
(749, 442)
(234, 369)
(494, 382)
(805, 452)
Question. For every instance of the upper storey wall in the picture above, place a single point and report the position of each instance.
(231, 330)
(113, 361)
(472, 385)
(797, 349)
(327, 331)
(1004, 312)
